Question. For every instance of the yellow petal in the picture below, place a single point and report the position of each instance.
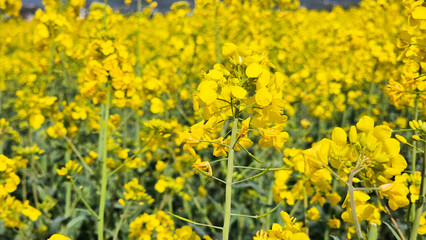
(58, 237)
(365, 124)
(339, 136)
(382, 132)
(263, 97)
(253, 70)
(419, 13)
(229, 49)
(264, 78)
(238, 92)
(208, 96)
(392, 146)
(361, 197)
(215, 74)
(353, 137)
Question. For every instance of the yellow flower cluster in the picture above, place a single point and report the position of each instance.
(243, 84)
(136, 192)
(291, 230)
(11, 209)
(266, 60)
(10, 7)
(160, 226)
(371, 151)
(71, 168)
(409, 86)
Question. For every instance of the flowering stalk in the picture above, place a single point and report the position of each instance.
(103, 145)
(372, 235)
(68, 208)
(413, 158)
(229, 173)
(419, 203)
(351, 191)
(305, 208)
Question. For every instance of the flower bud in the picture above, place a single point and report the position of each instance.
(353, 135)
(401, 138)
(416, 124)
(410, 123)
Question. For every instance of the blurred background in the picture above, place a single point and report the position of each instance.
(29, 6)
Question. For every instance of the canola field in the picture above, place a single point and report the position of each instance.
(234, 119)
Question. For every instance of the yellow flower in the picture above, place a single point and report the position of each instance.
(334, 198)
(365, 124)
(36, 120)
(160, 166)
(57, 131)
(31, 212)
(397, 194)
(313, 214)
(157, 106)
(422, 224)
(305, 123)
(334, 223)
(203, 166)
(219, 150)
(59, 237)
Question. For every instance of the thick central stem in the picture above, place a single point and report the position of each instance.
(419, 203)
(351, 191)
(229, 173)
(103, 143)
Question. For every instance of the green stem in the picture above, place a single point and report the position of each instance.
(372, 234)
(251, 178)
(327, 230)
(305, 207)
(122, 219)
(68, 188)
(413, 158)
(79, 156)
(262, 169)
(195, 223)
(82, 198)
(413, 151)
(139, 7)
(352, 203)
(229, 173)
(104, 181)
(419, 203)
(256, 216)
(209, 176)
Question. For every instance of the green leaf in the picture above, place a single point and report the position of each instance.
(395, 234)
(56, 224)
(74, 225)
